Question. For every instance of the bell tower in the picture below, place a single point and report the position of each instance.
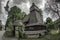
(35, 15)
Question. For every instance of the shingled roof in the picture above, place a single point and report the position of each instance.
(26, 18)
(17, 23)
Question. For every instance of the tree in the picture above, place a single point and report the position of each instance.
(57, 0)
(48, 20)
(53, 7)
(49, 23)
(13, 15)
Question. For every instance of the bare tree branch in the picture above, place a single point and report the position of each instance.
(54, 8)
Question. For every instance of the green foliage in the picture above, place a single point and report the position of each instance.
(48, 20)
(8, 34)
(25, 35)
(13, 15)
(16, 13)
(49, 23)
(21, 31)
(46, 37)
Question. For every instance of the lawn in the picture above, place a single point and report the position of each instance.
(47, 37)
(53, 35)
(33, 39)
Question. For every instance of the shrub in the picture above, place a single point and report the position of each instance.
(25, 35)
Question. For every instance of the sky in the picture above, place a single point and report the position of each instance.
(24, 5)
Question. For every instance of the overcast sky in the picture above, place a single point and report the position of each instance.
(24, 5)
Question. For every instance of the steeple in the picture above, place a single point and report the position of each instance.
(34, 7)
(33, 4)
(35, 15)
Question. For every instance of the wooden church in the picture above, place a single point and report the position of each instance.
(34, 22)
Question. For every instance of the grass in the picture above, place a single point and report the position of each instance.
(47, 37)
(53, 35)
(33, 39)
(54, 32)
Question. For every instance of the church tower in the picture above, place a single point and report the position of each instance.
(35, 15)
(35, 19)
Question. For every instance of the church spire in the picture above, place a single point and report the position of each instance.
(34, 7)
(33, 3)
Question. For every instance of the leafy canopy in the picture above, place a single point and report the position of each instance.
(49, 23)
(16, 13)
(13, 15)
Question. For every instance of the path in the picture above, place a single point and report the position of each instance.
(1, 34)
